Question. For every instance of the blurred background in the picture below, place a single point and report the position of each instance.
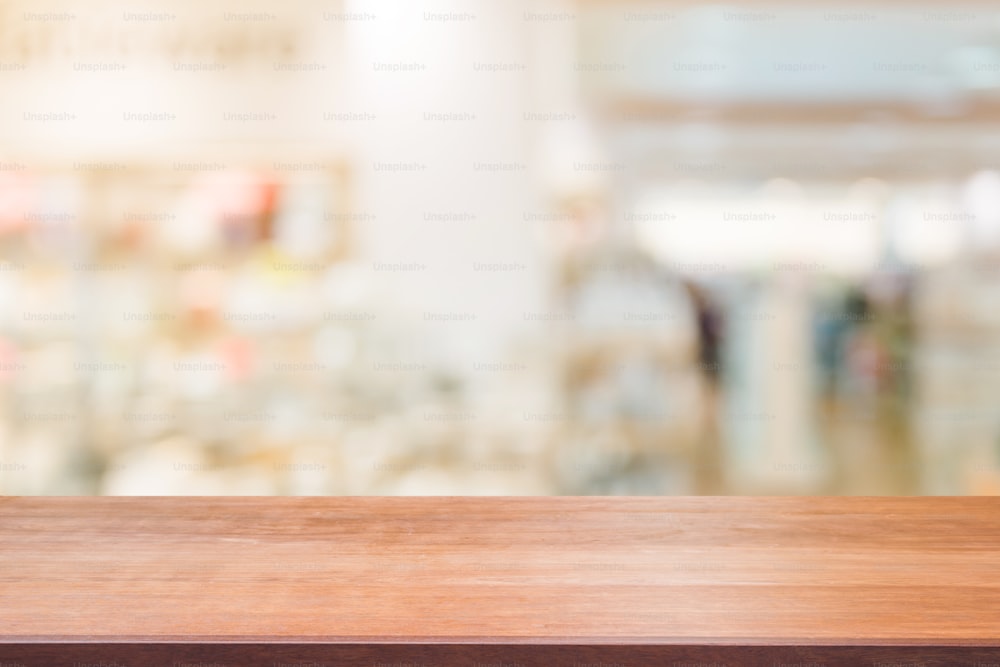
(499, 247)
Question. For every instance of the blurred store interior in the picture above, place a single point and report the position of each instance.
(499, 247)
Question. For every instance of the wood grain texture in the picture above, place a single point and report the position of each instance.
(499, 582)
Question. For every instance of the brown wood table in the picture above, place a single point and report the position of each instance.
(499, 582)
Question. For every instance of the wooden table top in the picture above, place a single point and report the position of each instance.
(499, 581)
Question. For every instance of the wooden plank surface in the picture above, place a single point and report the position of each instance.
(499, 582)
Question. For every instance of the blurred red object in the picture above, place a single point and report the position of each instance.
(17, 200)
(238, 355)
(9, 365)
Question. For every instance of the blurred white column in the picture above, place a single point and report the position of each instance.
(773, 448)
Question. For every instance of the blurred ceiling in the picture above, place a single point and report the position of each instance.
(776, 62)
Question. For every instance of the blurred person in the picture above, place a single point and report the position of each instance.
(867, 425)
(709, 321)
(710, 329)
(864, 356)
